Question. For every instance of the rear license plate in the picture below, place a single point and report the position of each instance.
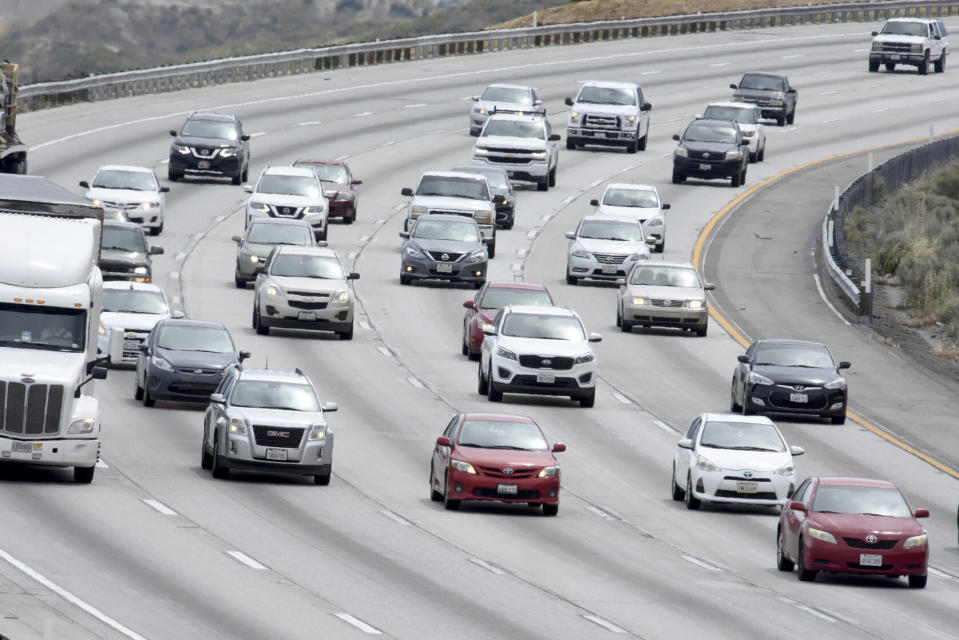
(507, 489)
(307, 316)
(276, 454)
(610, 268)
(747, 487)
(895, 57)
(705, 167)
(800, 398)
(27, 447)
(546, 378)
(203, 164)
(870, 559)
(444, 267)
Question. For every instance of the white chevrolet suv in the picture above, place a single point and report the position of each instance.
(290, 193)
(913, 41)
(524, 145)
(540, 350)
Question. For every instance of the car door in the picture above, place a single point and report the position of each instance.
(685, 458)
(490, 342)
(216, 412)
(551, 145)
(441, 454)
(793, 520)
(143, 357)
(471, 312)
(643, 128)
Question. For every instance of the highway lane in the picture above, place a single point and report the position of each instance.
(617, 465)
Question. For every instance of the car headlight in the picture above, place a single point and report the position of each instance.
(786, 470)
(101, 330)
(639, 301)
(228, 153)
(237, 426)
(748, 134)
(681, 152)
(343, 295)
(914, 541)
(413, 252)
(475, 257)
(140, 270)
(316, 209)
(274, 289)
(655, 222)
(483, 216)
(480, 152)
(738, 99)
(503, 352)
(149, 205)
(549, 472)
(705, 464)
(877, 46)
(755, 378)
(88, 425)
(483, 326)
(538, 155)
(695, 304)
(581, 253)
(181, 148)
(586, 358)
(161, 363)
(465, 467)
(838, 383)
(255, 259)
(480, 111)
(418, 209)
(823, 536)
(732, 155)
(916, 48)
(317, 432)
(258, 206)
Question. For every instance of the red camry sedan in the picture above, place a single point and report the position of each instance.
(491, 456)
(852, 525)
(481, 310)
(338, 185)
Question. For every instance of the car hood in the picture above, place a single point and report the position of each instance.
(860, 526)
(116, 256)
(543, 347)
(672, 293)
(449, 203)
(194, 141)
(278, 417)
(633, 213)
(46, 367)
(197, 359)
(287, 200)
(504, 457)
(595, 245)
(131, 321)
(719, 148)
(121, 195)
(449, 246)
(508, 142)
(611, 109)
(748, 94)
(736, 460)
(797, 375)
(314, 285)
(903, 39)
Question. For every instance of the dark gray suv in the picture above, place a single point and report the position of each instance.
(210, 145)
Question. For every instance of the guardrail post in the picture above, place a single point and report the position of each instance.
(865, 295)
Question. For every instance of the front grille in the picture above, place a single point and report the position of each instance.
(285, 212)
(30, 409)
(709, 157)
(759, 495)
(509, 150)
(521, 494)
(561, 383)
(518, 474)
(282, 437)
(131, 343)
(666, 303)
(126, 206)
(108, 269)
(199, 371)
(744, 479)
(308, 294)
(452, 212)
(817, 399)
(204, 152)
(856, 565)
(896, 47)
(546, 362)
(197, 389)
(884, 545)
(301, 304)
(504, 160)
(595, 121)
(610, 258)
(450, 257)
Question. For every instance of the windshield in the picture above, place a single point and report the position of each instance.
(496, 178)
(611, 230)
(745, 436)
(514, 129)
(630, 198)
(904, 29)
(265, 233)
(300, 266)
(879, 501)
(607, 95)
(327, 172)
(743, 116)
(795, 356)
(446, 230)
(263, 394)
(453, 187)
(506, 94)
(697, 132)
(33, 327)
(665, 276)
(289, 185)
(195, 338)
(123, 239)
(118, 179)
(547, 327)
(134, 301)
(499, 297)
(209, 129)
(760, 82)
(490, 434)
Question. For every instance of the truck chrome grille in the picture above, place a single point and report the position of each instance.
(30, 409)
(595, 121)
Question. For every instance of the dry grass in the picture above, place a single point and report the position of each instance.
(947, 351)
(920, 321)
(590, 10)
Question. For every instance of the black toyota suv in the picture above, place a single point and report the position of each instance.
(710, 149)
(210, 144)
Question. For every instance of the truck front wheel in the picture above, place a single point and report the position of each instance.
(83, 475)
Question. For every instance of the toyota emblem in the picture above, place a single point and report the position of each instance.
(445, 257)
(508, 471)
(705, 155)
(747, 474)
(547, 362)
(871, 539)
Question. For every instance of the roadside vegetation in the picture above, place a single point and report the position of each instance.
(912, 237)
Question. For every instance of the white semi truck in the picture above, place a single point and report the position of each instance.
(51, 295)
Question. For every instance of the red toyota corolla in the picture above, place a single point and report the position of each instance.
(481, 310)
(492, 456)
(852, 525)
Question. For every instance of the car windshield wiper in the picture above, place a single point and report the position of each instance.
(711, 446)
(867, 513)
(473, 444)
(122, 248)
(744, 448)
(506, 446)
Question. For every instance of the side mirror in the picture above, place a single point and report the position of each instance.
(164, 189)
(474, 98)
(443, 441)
(647, 106)
(243, 355)
(793, 91)
(742, 357)
(356, 182)
(733, 86)
(245, 137)
(499, 199)
(796, 451)
(115, 345)
(665, 206)
(709, 286)
(217, 398)
(156, 251)
(555, 137)
(84, 184)
(248, 188)
(404, 234)
(595, 337)
(568, 102)
(100, 373)
(652, 240)
(621, 282)
(685, 443)
(559, 447)
(922, 513)
(237, 239)
(143, 347)
(173, 132)
(468, 304)
(698, 116)
(676, 136)
(330, 407)
(594, 202)
(571, 235)
(406, 191)
(176, 315)
(875, 33)
(795, 505)
(353, 276)
(489, 331)
(843, 364)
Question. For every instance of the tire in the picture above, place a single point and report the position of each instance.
(632, 147)
(588, 401)
(940, 65)
(571, 280)
(238, 178)
(245, 176)
(734, 181)
(762, 153)
(552, 177)
(464, 348)
(625, 325)
(482, 385)
(781, 120)
(137, 389)
(155, 231)
(641, 143)
(661, 247)
(791, 118)
(745, 410)
(84, 475)
(240, 283)
(219, 471)
(742, 176)
(678, 178)
(676, 491)
(543, 185)
(619, 318)
(924, 65)
(838, 419)
(570, 144)
(553, 509)
(350, 219)
(734, 407)
(782, 562)
(491, 250)
(917, 582)
(873, 66)
(805, 575)
(173, 176)
(448, 503)
(323, 479)
(890, 66)
(321, 236)
(405, 279)
(206, 459)
(692, 502)
(492, 393)
(348, 334)
(435, 496)
(148, 400)
(478, 285)
(261, 328)
(701, 331)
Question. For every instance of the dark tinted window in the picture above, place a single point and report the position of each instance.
(194, 338)
(123, 239)
(210, 129)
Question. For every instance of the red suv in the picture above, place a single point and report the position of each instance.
(338, 185)
(481, 310)
(491, 456)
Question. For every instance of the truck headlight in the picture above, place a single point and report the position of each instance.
(237, 426)
(549, 472)
(480, 152)
(916, 48)
(161, 363)
(877, 46)
(465, 467)
(755, 378)
(343, 295)
(101, 330)
(254, 259)
(574, 115)
(140, 271)
(823, 536)
(482, 216)
(630, 119)
(538, 155)
(87, 426)
(418, 209)
(681, 152)
(317, 432)
(258, 206)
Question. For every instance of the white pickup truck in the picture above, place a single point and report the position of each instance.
(912, 41)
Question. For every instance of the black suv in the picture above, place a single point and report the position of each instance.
(210, 144)
(711, 149)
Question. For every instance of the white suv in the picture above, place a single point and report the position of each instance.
(541, 350)
(133, 190)
(290, 193)
(912, 41)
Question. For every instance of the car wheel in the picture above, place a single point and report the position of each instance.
(494, 394)
(571, 279)
(917, 582)
(350, 218)
(742, 176)
(479, 284)
(661, 247)
(552, 177)
(348, 334)
(219, 471)
(570, 144)
(238, 178)
(924, 65)
(323, 479)
(589, 400)
(239, 282)
(137, 389)
(148, 400)
(701, 331)
(782, 562)
(838, 419)
(464, 347)
(435, 496)
(404, 279)
(641, 143)
(553, 509)
(890, 66)
(746, 411)
(173, 176)
(246, 174)
(449, 503)
(805, 575)
(734, 179)
(155, 231)
(482, 385)
(692, 502)
(625, 325)
(678, 178)
(619, 317)
(543, 185)
(84, 475)
(873, 66)
(491, 250)
(791, 118)
(762, 153)
(940, 64)
(321, 236)
(734, 406)
(261, 328)
(781, 120)
(676, 491)
(206, 460)
(632, 147)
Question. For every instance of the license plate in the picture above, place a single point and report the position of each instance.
(27, 447)
(705, 167)
(307, 316)
(896, 57)
(610, 268)
(444, 267)
(747, 487)
(507, 489)
(546, 378)
(276, 454)
(131, 345)
(870, 559)
(800, 398)
(203, 164)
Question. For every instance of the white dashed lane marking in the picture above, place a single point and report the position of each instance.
(359, 624)
(242, 558)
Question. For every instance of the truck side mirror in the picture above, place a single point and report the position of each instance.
(594, 202)
(406, 191)
(243, 355)
(99, 373)
(173, 132)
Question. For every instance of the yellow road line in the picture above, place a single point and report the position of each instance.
(744, 341)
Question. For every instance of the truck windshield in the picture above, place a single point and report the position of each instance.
(904, 29)
(34, 327)
(607, 95)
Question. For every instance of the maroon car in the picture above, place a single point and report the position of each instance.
(852, 525)
(481, 310)
(492, 456)
(338, 185)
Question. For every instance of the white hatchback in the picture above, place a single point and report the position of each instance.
(730, 458)
(640, 202)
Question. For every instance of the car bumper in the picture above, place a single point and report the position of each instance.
(536, 170)
(665, 316)
(512, 377)
(75, 452)
(897, 58)
(125, 275)
(601, 136)
(342, 208)
(427, 269)
(785, 399)
(188, 164)
(151, 218)
(470, 486)
(293, 314)
(692, 168)
(769, 110)
(592, 268)
(181, 385)
(505, 214)
(841, 558)
(733, 487)
(477, 120)
(312, 458)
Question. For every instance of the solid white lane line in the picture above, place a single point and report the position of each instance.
(620, 397)
(102, 465)
(796, 55)
(69, 597)
(822, 294)
(359, 624)
(220, 218)
(828, 93)
(241, 557)
(830, 121)
(416, 383)
(816, 612)
(665, 427)
(701, 563)
(880, 109)
(394, 517)
(364, 239)
(606, 624)
(942, 574)
(159, 506)
(415, 106)
(596, 183)
(389, 143)
(486, 565)
(385, 351)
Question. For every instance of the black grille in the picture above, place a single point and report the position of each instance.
(561, 383)
(450, 257)
(518, 474)
(282, 437)
(594, 121)
(198, 371)
(883, 545)
(759, 495)
(508, 150)
(779, 398)
(204, 152)
(116, 268)
(521, 494)
(285, 212)
(505, 160)
(308, 294)
(896, 47)
(300, 304)
(742, 479)
(30, 410)
(196, 389)
(666, 303)
(546, 362)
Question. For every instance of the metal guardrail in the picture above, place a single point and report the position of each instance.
(198, 74)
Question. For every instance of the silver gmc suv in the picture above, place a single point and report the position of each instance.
(524, 145)
(912, 41)
(609, 113)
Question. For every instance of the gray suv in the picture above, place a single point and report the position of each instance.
(265, 420)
